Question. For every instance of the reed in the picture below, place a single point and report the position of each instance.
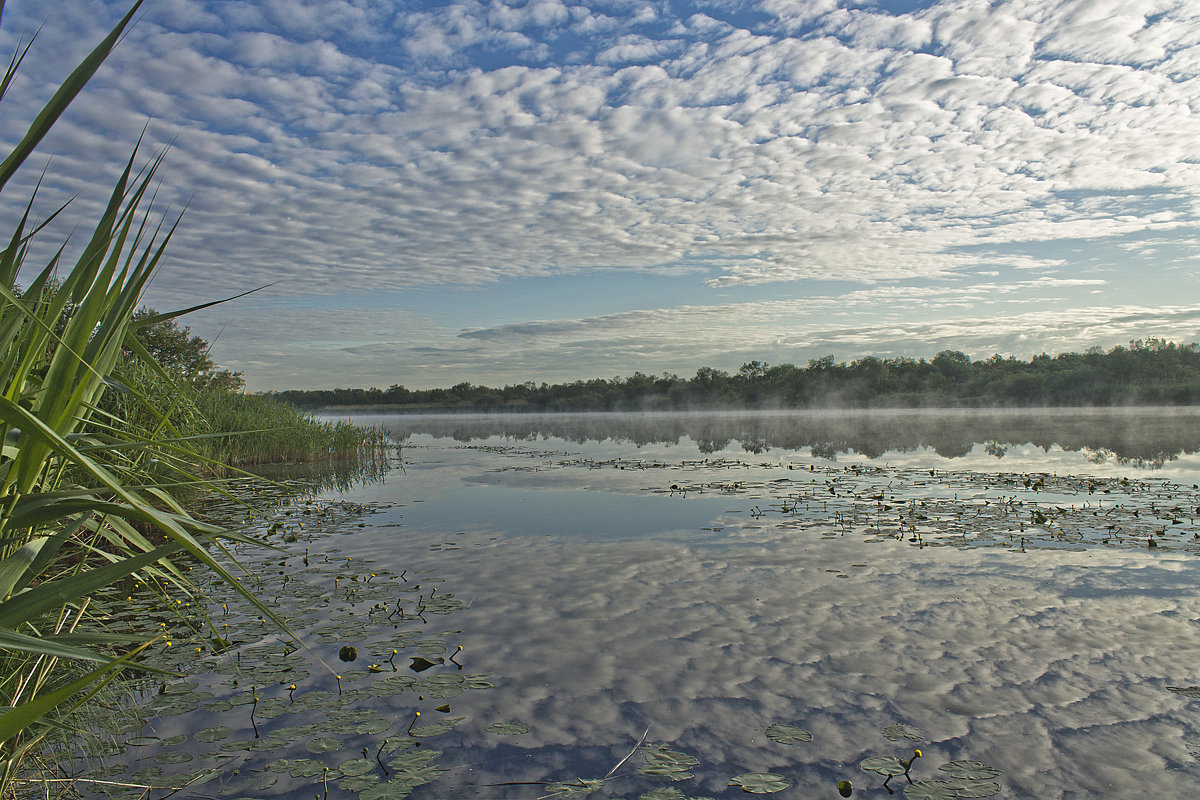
(249, 430)
(83, 504)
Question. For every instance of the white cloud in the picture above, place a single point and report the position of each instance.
(354, 147)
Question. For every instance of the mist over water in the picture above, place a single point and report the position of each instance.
(1164, 441)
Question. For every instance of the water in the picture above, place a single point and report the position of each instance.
(980, 578)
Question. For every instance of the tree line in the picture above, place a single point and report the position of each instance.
(1146, 372)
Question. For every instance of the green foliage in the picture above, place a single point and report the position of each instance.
(1150, 372)
(183, 355)
(81, 510)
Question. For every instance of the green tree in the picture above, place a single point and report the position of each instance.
(183, 354)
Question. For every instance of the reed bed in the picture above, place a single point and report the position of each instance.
(249, 430)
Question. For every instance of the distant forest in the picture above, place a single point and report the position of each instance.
(1147, 372)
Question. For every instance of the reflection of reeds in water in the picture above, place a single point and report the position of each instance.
(367, 466)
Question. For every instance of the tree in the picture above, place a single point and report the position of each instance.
(184, 355)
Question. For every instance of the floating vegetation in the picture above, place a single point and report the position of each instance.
(668, 793)
(971, 770)
(787, 734)
(662, 762)
(575, 788)
(507, 728)
(929, 790)
(902, 731)
(884, 765)
(282, 712)
(968, 779)
(760, 782)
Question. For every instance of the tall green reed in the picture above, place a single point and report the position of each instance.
(79, 509)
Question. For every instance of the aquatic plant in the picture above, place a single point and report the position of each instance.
(79, 511)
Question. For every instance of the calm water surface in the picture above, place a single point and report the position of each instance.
(980, 577)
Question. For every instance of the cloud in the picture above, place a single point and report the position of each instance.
(352, 147)
(810, 154)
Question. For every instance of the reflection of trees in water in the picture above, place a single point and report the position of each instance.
(1139, 437)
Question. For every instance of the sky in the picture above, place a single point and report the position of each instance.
(496, 192)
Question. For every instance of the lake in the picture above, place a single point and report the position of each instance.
(669, 606)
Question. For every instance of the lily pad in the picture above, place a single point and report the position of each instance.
(372, 727)
(142, 741)
(662, 762)
(787, 734)
(883, 765)
(663, 793)
(213, 734)
(974, 789)
(174, 757)
(324, 744)
(902, 731)
(436, 728)
(930, 790)
(760, 782)
(971, 770)
(356, 766)
(386, 790)
(507, 728)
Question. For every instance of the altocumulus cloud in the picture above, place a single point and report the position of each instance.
(370, 146)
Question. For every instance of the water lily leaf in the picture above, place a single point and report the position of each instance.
(787, 734)
(372, 727)
(901, 731)
(929, 790)
(507, 728)
(663, 793)
(760, 782)
(662, 762)
(971, 770)
(388, 790)
(175, 757)
(142, 741)
(213, 734)
(356, 783)
(305, 768)
(355, 767)
(323, 744)
(1186, 691)
(413, 760)
(146, 774)
(973, 789)
(420, 663)
(883, 765)
(436, 728)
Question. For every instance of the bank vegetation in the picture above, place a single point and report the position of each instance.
(1146, 372)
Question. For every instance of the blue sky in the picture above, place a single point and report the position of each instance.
(506, 191)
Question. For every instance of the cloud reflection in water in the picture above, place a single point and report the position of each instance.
(1051, 664)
